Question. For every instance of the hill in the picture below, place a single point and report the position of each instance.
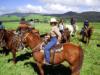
(91, 15)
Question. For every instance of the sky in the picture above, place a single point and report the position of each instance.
(48, 6)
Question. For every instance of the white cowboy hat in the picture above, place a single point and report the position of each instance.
(53, 20)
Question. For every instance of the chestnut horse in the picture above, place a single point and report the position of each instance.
(71, 53)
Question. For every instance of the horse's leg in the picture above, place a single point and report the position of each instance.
(89, 39)
(14, 55)
(76, 65)
(74, 70)
(6, 51)
(40, 65)
(82, 37)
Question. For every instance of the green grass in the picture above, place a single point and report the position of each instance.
(91, 64)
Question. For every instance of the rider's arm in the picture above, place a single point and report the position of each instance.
(57, 32)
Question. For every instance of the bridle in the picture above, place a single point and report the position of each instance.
(36, 47)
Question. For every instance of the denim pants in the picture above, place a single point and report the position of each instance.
(47, 48)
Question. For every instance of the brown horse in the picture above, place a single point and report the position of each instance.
(12, 42)
(65, 36)
(86, 36)
(71, 53)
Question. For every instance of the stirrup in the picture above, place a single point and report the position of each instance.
(46, 63)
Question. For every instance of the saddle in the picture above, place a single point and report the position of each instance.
(56, 48)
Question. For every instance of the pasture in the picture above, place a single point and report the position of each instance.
(26, 64)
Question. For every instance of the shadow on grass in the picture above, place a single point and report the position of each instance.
(82, 41)
(51, 69)
(22, 57)
(4, 51)
(98, 45)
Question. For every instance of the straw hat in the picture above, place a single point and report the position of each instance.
(53, 20)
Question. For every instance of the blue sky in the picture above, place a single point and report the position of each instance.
(16, 3)
(48, 6)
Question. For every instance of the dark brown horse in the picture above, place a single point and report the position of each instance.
(12, 42)
(86, 36)
(71, 53)
(65, 36)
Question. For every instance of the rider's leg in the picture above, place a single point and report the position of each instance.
(47, 48)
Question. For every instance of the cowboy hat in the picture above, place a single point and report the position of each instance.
(53, 20)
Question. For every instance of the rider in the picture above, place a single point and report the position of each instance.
(1, 26)
(73, 23)
(23, 25)
(61, 25)
(85, 27)
(86, 24)
(31, 23)
(55, 36)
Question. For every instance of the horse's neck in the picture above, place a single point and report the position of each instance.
(33, 40)
(8, 35)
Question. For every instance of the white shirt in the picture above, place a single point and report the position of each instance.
(32, 24)
(61, 27)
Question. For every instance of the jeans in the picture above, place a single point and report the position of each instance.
(47, 48)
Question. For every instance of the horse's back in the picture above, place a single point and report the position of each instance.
(72, 48)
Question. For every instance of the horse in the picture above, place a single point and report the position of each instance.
(65, 36)
(71, 29)
(87, 33)
(73, 54)
(12, 42)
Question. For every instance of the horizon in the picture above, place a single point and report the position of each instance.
(48, 13)
(48, 6)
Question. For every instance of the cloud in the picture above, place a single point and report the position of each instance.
(4, 10)
(30, 9)
(74, 2)
(48, 8)
(57, 6)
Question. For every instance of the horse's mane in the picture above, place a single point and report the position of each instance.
(8, 34)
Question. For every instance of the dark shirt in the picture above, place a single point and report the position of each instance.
(86, 23)
(72, 21)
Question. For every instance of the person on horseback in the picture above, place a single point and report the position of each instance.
(73, 23)
(31, 23)
(61, 25)
(55, 36)
(23, 25)
(86, 24)
(85, 27)
(1, 26)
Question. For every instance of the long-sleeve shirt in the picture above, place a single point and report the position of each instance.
(55, 32)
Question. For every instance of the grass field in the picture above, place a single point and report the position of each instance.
(25, 65)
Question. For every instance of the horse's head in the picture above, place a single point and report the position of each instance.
(31, 39)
